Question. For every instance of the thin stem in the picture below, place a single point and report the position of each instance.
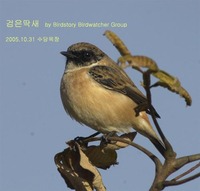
(147, 82)
(139, 147)
(187, 172)
(174, 183)
(120, 139)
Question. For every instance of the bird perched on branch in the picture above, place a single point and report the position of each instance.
(96, 92)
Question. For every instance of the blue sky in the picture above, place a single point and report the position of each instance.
(33, 123)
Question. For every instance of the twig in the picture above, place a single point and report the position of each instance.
(155, 159)
(187, 172)
(174, 183)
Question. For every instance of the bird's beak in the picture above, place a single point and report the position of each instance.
(68, 54)
(64, 53)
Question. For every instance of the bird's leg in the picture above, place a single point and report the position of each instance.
(82, 139)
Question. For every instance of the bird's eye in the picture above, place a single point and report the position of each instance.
(87, 55)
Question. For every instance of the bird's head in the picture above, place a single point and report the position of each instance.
(83, 54)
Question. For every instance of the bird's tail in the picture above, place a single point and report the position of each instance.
(144, 127)
(158, 144)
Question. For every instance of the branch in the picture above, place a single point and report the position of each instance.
(180, 162)
(139, 147)
(120, 139)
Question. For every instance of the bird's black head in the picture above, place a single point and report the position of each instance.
(83, 54)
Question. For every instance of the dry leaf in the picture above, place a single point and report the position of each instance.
(173, 84)
(72, 179)
(100, 157)
(137, 62)
(117, 42)
(77, 171)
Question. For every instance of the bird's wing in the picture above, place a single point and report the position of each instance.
(116, 80)
(113, 79)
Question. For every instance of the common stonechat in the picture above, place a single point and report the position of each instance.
(96, 92)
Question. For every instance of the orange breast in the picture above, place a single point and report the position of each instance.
(88, 102)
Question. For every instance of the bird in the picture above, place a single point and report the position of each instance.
(97, 92)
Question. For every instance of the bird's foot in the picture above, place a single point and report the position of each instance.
(105, 138)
